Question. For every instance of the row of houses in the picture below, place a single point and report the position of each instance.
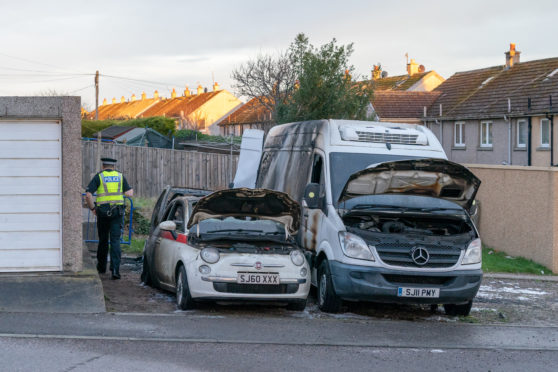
(496, 115)
(198, 110)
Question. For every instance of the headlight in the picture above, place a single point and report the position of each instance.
(353, 246)
(210, 255)
(473, 254)
(297, 258)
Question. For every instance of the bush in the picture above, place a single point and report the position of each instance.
(161, 124)
(189, 134)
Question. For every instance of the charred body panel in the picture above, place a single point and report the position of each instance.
(287, 156)
(438, 178)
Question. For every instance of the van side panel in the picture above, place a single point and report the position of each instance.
(287, 157)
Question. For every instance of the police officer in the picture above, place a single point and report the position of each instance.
(110, 186)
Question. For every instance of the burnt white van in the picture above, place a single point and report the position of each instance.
(385, 216)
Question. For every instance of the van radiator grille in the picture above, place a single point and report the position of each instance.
(399, 254)
(402, 139)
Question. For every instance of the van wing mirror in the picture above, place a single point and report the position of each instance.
(312, 196)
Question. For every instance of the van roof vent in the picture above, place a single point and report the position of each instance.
(380, 134)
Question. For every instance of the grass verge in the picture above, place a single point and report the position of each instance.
(500, 262)
(136, 248)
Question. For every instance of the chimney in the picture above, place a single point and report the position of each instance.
(215, 86)
(173, 93)
(412, 67)
(143, 96)
(113, 100)
(200, 89)
(104, 101)
(512, 56)
(133, 98)
(376, 73)
(122, 99)
(156, 94)
(187, 92)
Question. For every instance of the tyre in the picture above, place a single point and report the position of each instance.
(145, 273)
(183, 298)
(328, 301)
(297, 305)
(462, 310)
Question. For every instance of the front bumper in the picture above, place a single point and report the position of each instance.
(377, 284)
(221, 283)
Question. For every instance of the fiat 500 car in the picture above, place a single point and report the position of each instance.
(233, 245)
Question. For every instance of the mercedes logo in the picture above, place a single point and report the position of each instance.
(420, 256)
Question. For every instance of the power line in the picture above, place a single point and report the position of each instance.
(31, 61)
(38, 71)
(80, 89)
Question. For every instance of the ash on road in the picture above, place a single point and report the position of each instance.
(499, 301)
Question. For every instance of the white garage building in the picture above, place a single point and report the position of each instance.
(40, 184)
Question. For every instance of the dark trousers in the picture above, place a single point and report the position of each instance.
(109, 227)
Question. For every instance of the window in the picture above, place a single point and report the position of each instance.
(545, 133)
(486, 134)
(459, 134)
(176, 214)
(521, 133)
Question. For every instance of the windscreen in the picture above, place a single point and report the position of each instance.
(344, 164)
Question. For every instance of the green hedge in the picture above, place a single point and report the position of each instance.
(161, 124)
(189, 134)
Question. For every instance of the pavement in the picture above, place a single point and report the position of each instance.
(189, 341)
(53, 292)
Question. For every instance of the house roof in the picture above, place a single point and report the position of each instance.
(251, 112)
(174, 106)
(399, 82)
(124, 110)
(484, 93)
(399, 105)
(114, 131)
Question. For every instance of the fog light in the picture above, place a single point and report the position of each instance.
(303, 271)
(204, 269)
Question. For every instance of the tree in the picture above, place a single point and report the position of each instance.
(268, 78)
(325, 88)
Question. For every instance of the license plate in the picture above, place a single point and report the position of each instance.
(418, 292)
(257, 278)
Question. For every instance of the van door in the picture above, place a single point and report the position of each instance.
(312, 218)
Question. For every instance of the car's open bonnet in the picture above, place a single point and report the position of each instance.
(243, 202)
(437, 178)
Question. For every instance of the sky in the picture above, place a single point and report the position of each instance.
(146, 45)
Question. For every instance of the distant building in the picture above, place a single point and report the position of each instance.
(192, 111)
(251, 115)
(417, 79)
(499, 115)
(401, 106)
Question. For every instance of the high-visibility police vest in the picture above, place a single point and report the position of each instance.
(110, 188)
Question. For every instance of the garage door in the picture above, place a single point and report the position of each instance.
(30, 196)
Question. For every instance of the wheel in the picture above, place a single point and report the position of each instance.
(145, 273)
(297, 305)
(183, 298)
(328, 301)
(463, 309)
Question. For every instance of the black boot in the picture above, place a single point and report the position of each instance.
(101, 270)
(115, 274)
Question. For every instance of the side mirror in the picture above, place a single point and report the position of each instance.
(312, 196)
(167, 226)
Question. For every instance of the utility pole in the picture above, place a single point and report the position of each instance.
(97, 95)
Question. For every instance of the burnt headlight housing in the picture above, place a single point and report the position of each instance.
(355, 247)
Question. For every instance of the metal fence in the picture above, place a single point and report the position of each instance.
(149, 169)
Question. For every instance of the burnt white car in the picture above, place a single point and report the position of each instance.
(232, 245)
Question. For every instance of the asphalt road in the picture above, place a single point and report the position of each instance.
(191, 341)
